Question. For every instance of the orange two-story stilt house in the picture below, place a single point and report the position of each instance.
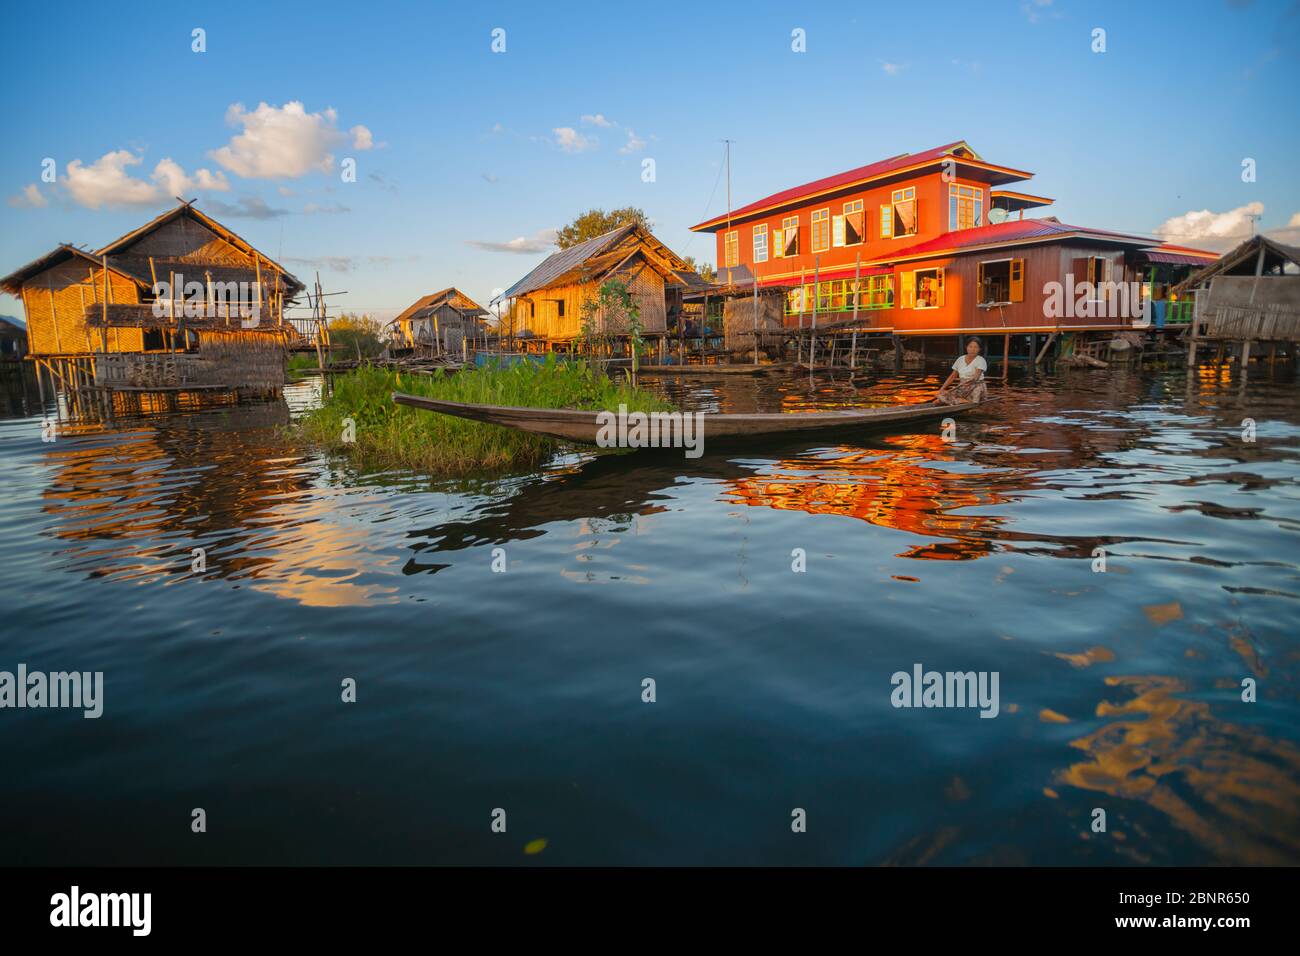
(936, 244)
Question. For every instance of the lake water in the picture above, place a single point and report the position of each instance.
(1120, 691)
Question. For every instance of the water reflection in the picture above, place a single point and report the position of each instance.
(1233, 789)
(691, 559)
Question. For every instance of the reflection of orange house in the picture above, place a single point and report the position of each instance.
(931, 243)
(892, 491)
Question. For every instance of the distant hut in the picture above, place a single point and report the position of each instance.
(181, 303)
(547, 302)
(440, 321)
(13, 339)
(1249, 297)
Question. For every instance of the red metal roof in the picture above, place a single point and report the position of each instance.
(844, 179)
(1018, 230)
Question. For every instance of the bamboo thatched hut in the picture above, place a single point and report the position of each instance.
(181, 302)
(441, 320)
(547, 303)
(1249, 297)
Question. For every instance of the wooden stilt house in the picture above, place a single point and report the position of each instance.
(547, 303)
(182, 303)
(439, 321)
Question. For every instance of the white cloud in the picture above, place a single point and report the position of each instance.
(571, 141)
(893, 69)
(1216, 231)
(171, 179)
(106, 182)
(29, 198)
(1035, 9)
(543, 241)
(361, 138)
(248, 207)
(312, 209)
(634, 143)
(280, 141)
(1293, 223)
(597, 119)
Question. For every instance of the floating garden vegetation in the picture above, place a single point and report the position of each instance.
(386, 435)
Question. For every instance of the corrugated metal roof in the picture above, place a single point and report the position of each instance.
(558, 263)
(1176, 258)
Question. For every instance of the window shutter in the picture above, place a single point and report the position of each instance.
(854, 231)
(909, 290)
(837, 231)
(778, 243)
(979, 285)
(907, 217)
(939, 298)
(1079, 269)
(886, 221)
(1017, 280)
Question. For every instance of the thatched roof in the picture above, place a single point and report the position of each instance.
(1243, 260)
(187, 210)
(136, 268)
(13, 283)
(450, 297)
(597, 257)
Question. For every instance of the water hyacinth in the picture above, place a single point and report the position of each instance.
(387, 435)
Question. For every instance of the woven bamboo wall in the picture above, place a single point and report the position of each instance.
(647, 288)
(738, 321)
(252, 360)
(55, 302)
(188, 241)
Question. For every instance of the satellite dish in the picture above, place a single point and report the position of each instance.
(997, 216)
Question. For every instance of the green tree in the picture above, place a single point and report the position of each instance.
(596, 222)
(705, 270)
(613, 312)
(357, 334)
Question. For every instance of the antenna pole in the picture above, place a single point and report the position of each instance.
(728, 142)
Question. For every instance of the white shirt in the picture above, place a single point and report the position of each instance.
(968, 371)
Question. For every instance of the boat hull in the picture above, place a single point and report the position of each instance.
(584, 426)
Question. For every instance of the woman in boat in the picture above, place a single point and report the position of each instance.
(968, 372)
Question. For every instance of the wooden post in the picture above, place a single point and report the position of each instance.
(755, 320)
(898, 351)
(803, 305)
(812, 342)
(1006, 356)
(853, 351)
(857, 293)
(54, 315)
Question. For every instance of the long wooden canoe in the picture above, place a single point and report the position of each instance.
(583, 426)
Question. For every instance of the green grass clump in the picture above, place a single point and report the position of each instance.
(389, 435)
(300, 362)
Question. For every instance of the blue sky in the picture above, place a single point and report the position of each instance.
(468, 150)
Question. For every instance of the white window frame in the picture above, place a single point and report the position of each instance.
(814, 221)
(894, 200)
(730, 241)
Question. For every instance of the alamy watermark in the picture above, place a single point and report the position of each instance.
(212, 300)
(36, 689)
(624, 429)
(922, 688)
